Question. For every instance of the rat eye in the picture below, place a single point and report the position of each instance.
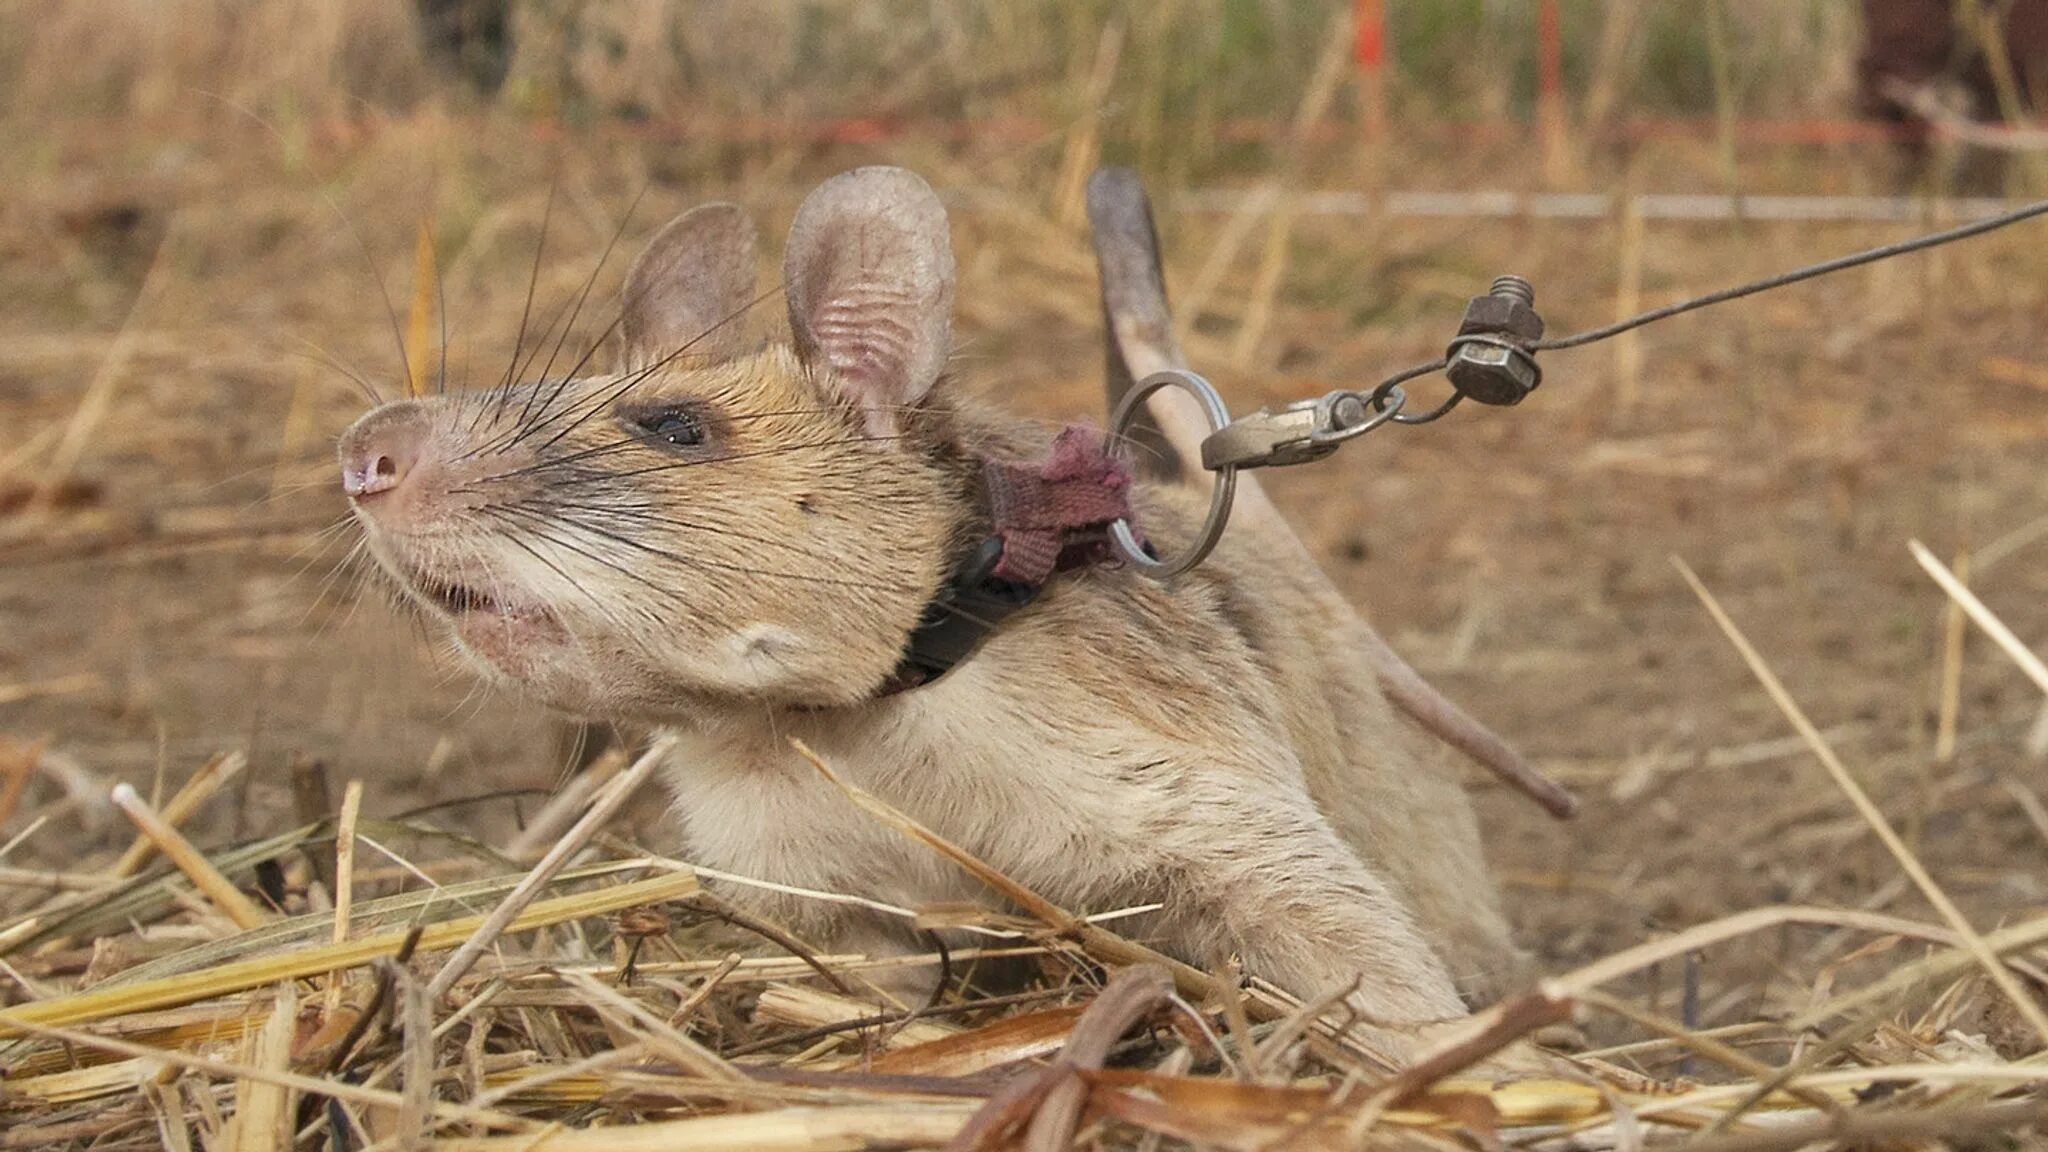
(675, 427)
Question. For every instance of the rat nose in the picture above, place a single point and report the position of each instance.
(379, 451)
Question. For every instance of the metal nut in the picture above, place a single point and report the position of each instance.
(1501, 316)
(1492, 374)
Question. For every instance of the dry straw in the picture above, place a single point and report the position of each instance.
(599, 1019)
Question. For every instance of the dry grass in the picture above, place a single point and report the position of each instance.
(604, 1020)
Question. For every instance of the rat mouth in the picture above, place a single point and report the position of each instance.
(468, 605)
(457, 599)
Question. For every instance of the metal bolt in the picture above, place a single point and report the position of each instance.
(1490, 360)
(1515, 288)
(1349, 411)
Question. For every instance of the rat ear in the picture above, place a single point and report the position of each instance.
(869, 273)
(690, 286)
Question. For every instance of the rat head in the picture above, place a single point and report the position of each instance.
(713, 524)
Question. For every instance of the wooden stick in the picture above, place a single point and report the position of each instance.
(217, 889)
(1628, 300)
(1955, 624)
(1369, 52)
(1551, 122)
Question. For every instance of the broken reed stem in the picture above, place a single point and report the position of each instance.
(2030, 804)
(1889, 1128)
(654, 1033)
(1130, 996)
(344, 876)
(1488, 1033)
(104, 1001)
(41, 878)
(602, 809)
(1868, 809)
(195, 791)
(264, 1108)
(1100, 943)
(317, 1085)
(345, 858)
(1727, 1055)
(1943, 966)
(562, 809)
(892, 1125)
(217, 889)
(1991, 624)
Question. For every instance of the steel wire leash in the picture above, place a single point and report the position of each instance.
(1491, 360)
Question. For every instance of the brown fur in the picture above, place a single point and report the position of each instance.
(1217, 744)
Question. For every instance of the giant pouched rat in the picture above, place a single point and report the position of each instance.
(737, 542)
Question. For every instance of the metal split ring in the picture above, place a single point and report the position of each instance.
(1220, 496)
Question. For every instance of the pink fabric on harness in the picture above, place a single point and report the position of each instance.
(1054, 514)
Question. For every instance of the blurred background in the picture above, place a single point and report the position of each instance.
(225, 221)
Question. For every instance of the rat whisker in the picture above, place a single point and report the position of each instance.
(609, 565)
(501, 395)
(346, 565)
(590, 282)
(635, 380)
(779, 450)
(648, 515)
(700, 563)
(547, 216)
(321, 356)
(609, 614)
(638, 441)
